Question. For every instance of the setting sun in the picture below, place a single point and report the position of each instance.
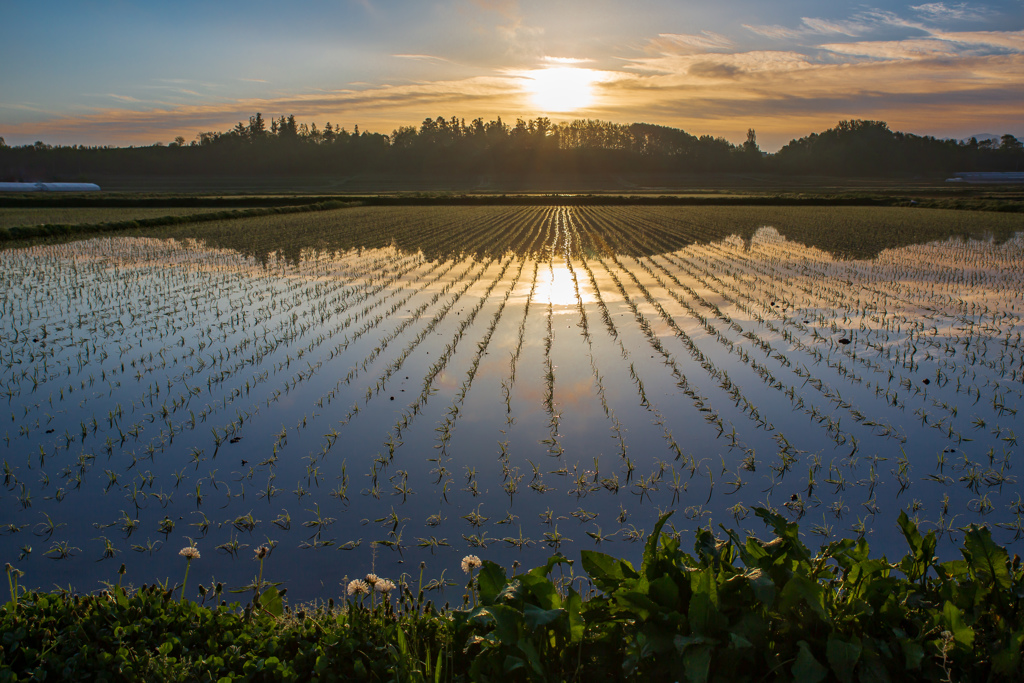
(561, 89)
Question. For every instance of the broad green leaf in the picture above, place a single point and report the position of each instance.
(527, 647)
(606, 571)
(704, 617)
(988, 561)
(763, 587)
(802, 589)
(651, 547)
(490, 581)
(1007, 660)
(543, 570)
(842, 656)
(807, 669)
(915, 565)
(738, 642)
(786, 530)
(638, 602)
(697, 663)
(913, 653)
(704, 581)
(953, 620)
(574, 606)
(271, 602)
(535, 616)
(507, 622)
(542, 590)
(664, 591)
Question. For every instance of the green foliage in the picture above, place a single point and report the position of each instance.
(735, 610)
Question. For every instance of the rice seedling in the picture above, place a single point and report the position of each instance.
(856, 368)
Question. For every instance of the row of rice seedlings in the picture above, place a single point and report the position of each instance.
(749, 463)
(760, 261)
(646, 484)
(763, 372)
(866, 360)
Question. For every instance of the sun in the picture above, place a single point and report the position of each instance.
(561, 89)
(558, 288)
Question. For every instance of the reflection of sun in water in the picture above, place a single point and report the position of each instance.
(561, 89)
(556, 287)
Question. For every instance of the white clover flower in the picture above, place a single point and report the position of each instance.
(372, 579)
(189, 553)
(471, 562)
(384, 586)
(261, 552)
(358, 587)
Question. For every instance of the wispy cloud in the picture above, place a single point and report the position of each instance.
(774, 31)
(513, 29)
(824, 26)
(940, 11)
(705, 40)
(422, 58)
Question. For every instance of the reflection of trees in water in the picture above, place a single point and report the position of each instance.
(443, 232)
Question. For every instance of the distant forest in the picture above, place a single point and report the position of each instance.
(450, 147)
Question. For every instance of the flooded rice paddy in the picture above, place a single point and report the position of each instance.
(375, 388)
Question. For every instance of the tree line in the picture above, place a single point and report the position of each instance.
(442, 147)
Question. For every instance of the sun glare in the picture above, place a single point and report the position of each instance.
(557, 288)
(561, 89)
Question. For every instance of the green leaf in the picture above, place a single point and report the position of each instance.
(528, 649)
(543, 591)
(607, 572)
(507, 622)
(704, 617)
(574, 607)
(763, 588)
(1007, 660)
(788, 531)
(535, 616)
(953, 620)
(697, 663)
(664, 591)
(842, 656)
(913, 653)
(271, 602)
(802, 589)
(807, 669)
(491, 580)
(637, 602)
(988, 561)
(915, 565)
(543, 570)
(651, 546)
(738, 642)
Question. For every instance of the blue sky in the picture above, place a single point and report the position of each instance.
(141, 72)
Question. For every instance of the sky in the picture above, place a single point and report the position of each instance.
(99, 72)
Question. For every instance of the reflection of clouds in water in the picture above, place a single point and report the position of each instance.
(282, 337)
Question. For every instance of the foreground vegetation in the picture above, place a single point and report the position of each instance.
(738, 609)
